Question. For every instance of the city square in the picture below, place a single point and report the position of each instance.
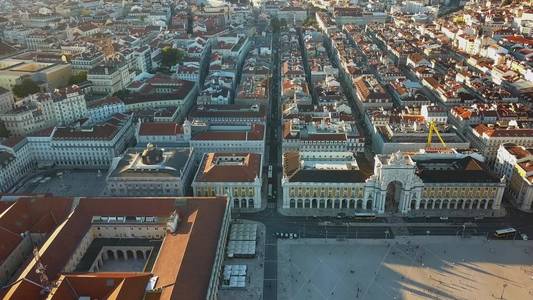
(266, 149)
(405, 268)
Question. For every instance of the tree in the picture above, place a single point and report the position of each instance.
(3, 130)
(171, 56)
(25, 88)
(78, 78)
(283, 23)
(274, 23)
(310, 21)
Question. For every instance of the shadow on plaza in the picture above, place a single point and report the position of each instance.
(454, 274)
(466, 272)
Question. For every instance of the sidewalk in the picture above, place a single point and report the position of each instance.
(452, 213)
(404, 224)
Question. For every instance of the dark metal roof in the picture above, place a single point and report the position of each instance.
(466, 169)
(327, 176)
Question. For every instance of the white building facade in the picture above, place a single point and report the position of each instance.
(402, 184)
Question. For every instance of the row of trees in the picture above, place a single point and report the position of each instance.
(277, 24)
(170, 57)
(28, 86)
(25, 88)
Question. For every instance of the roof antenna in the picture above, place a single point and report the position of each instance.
(46, 287)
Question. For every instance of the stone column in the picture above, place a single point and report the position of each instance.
(382, 200)
(498, 198)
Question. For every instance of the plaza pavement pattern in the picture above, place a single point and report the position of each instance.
(405, 268)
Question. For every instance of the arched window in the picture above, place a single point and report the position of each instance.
(352, 203)
(437, 204)
(369, 204)
(452, 204)
(307, 203)
(482, 204)
(359, 204)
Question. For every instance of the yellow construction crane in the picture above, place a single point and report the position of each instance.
(433, 129)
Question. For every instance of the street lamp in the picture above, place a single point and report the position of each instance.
(503, 290)
(347, 230)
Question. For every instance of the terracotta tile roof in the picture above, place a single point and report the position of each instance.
(105, 131)
(43, 133)
(5, 205)
(518, 151)
(213, 168)
(186, 258)
(154, 128)
(255, 133)
(220, 135)
(24, 289)
(108, 285)
(103, 102)
(13, 141)
(483, 129)
(416, 57)
(291, 162)
(519, 39)
(184, 263)
(35, 215)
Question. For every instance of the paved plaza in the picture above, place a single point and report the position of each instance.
(74, 183)
(405, 268)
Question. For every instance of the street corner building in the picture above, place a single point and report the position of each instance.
(112, 248)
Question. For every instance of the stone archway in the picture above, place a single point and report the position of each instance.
(393, 196)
